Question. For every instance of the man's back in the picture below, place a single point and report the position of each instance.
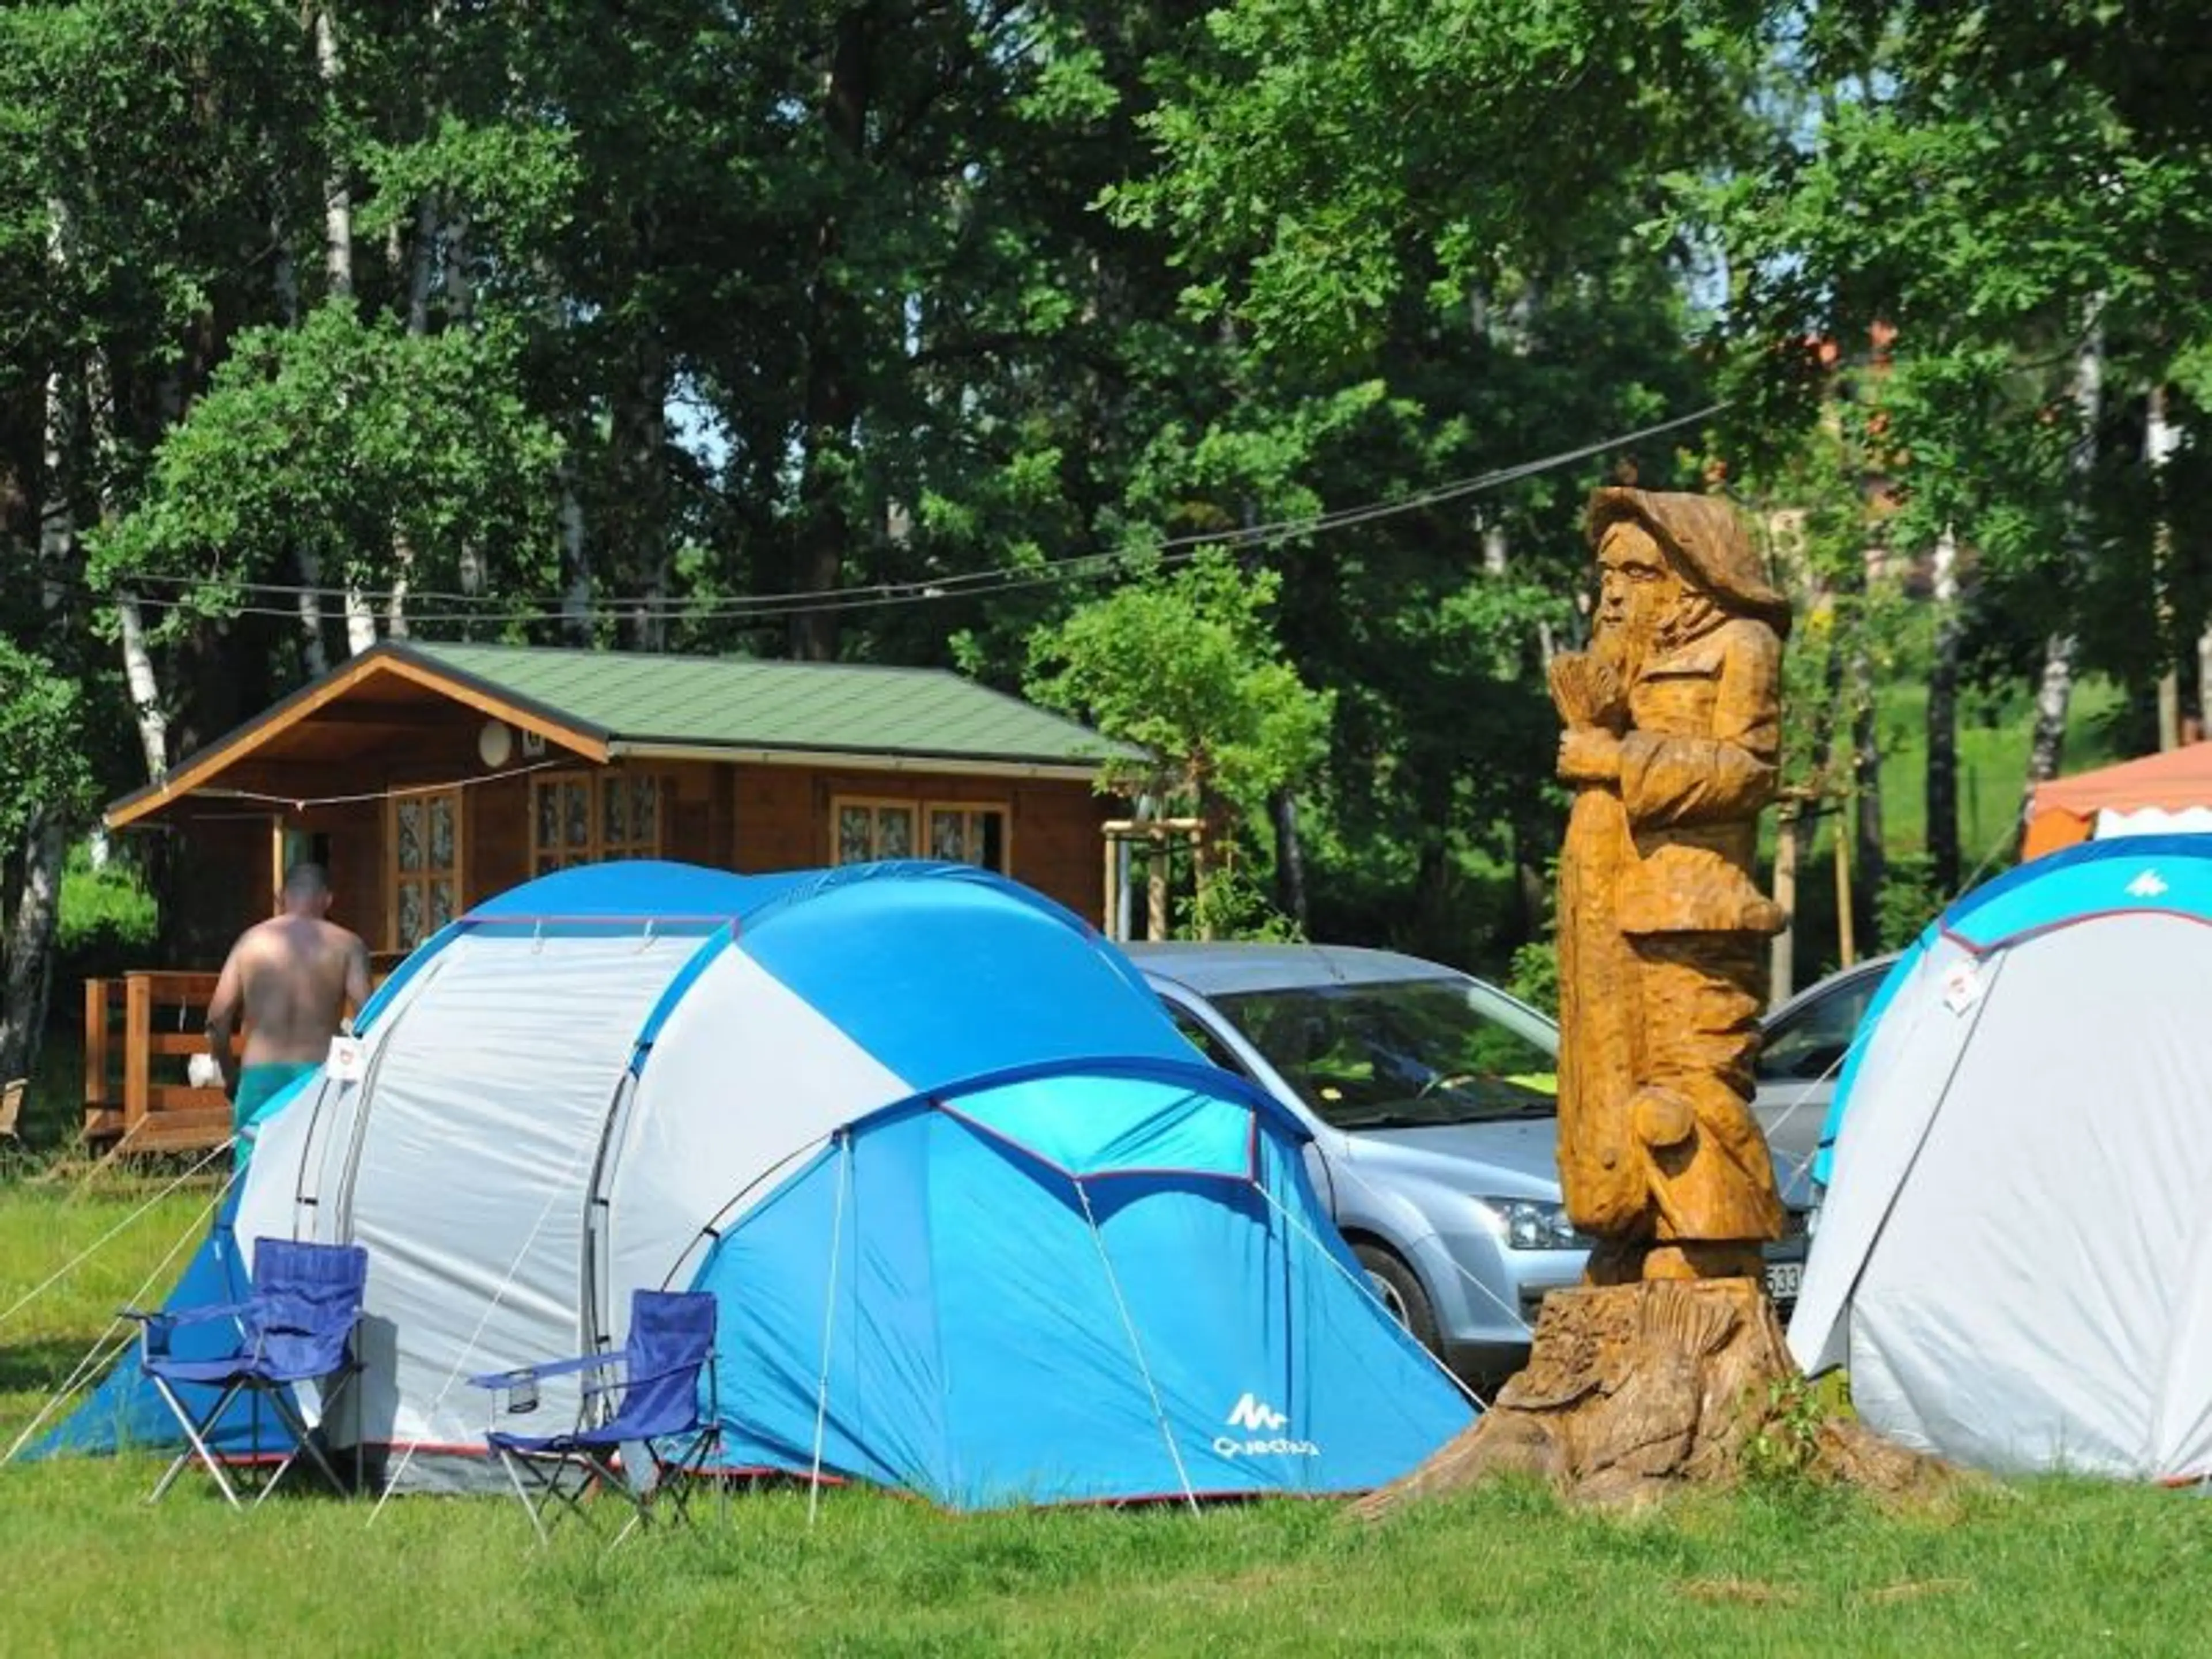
(295, 975)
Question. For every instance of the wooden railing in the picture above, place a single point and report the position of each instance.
(140, 1031)
(140, 1034)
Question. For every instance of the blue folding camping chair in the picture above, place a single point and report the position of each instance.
(645, 1393)
(296, 1325)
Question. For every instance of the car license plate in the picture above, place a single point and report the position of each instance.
(1783, 1278)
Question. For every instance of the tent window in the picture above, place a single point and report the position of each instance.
(423, 872)
(584, 817)
(863, 829)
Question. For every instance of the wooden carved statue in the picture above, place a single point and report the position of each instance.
(1663, 1369)
(1671, 722)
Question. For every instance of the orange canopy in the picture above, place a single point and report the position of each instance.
(2064, 810)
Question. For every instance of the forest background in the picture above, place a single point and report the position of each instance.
(1230, 375)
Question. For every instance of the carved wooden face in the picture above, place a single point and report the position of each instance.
(1640, 593)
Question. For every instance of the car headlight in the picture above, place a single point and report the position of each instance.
(1531, 1224)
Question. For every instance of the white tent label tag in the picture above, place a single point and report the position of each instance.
(1962, 986)
(349, 1060)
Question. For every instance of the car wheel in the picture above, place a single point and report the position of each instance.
(1398, 1289)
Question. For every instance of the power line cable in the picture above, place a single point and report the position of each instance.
(1002, 579)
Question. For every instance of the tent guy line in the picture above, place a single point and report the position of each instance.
(93, 1358)
(829, 1323)
(108, 1237)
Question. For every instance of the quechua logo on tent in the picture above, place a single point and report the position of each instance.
(1259, 1419)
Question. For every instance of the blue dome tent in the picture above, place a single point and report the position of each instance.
(2011, 1257)
(982, 1225)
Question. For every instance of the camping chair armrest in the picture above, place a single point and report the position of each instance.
(156, 1325)
(519, 1382)
(515, 1374)
(184, 1317)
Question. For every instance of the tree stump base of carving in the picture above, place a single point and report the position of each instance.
(1635, 1390)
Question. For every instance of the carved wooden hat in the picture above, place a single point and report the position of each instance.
(1704, 533)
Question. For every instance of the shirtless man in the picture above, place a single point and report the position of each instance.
(295, 977)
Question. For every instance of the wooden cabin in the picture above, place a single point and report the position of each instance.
(425, 777)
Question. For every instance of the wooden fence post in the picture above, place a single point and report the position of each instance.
(138, 1028)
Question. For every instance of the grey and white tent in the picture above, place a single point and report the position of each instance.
(2014, 1254)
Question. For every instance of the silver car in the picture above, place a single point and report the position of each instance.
(1432, 1101)
(1802, 1056)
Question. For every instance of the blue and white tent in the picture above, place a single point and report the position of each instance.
(2012, 1257)
(982, 1225)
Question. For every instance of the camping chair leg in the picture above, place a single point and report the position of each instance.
(675, 1474)
(672, 1476)
(199, 1445)
(526, 1474)
(619, 1482)
(302, 1441)
(509, 1463)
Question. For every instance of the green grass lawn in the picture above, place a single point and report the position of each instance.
(86, 1568)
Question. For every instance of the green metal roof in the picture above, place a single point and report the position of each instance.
(738, 702)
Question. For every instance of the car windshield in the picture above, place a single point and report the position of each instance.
(1408, 1054)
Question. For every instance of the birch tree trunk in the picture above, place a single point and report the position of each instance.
(146, 705)
(421, 274)
(57, 509)
(832, 395)
(338, 261)
(1866, 789)
(2055, 691)
(1788, 855)
(314, 656)
(461, 293)
(642, 432)
(1289, 856)
(2159, 441)
(579, 607)
(57, 444)
(27, 947)
(422, 270)
(29, 977)
(1942, 774)
(337, 196)
(361, 622)
(2204, 684)
(285, 277)
(148, 712)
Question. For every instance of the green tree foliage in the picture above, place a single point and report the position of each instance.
(1185, 666)
(2009, 187)
(46, 747)
(342, 439)
(908, 330)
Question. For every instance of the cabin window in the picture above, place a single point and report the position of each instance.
(960, 832)
(424, 874)
(586, 817)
